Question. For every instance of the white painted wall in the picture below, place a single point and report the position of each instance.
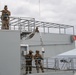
(53, 43)
(9, 52)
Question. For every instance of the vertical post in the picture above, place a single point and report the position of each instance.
(43, 27)
(72, 64)
(43, 55)
(19, 23)
(14, 27)
(64, 30)
(59, 29)
(58, 64)
(48, 29)
(28, 25)
(34, 23)
(73, 30)
(55, 64)
(47, 63)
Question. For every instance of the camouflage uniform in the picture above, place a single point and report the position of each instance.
(5, 18)
(29, 58)
(38, 63)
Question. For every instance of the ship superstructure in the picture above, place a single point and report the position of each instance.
(13, 43)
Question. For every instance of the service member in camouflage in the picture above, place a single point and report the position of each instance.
(5, 17)
(29, 58)
(38, 62)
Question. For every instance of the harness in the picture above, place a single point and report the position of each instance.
(5, 16)
(28, 58)
(38, 58)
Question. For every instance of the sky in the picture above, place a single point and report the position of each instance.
(56, 11)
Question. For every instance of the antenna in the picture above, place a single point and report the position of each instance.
(39, 10)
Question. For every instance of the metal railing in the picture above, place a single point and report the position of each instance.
(68, 64)
(55, 64)
(29, 24)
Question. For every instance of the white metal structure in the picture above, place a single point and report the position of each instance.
(12, 47)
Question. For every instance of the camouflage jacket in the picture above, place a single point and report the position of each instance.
(28, 58)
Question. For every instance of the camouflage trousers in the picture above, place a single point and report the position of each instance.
(39, 65)
(5, 24)
(28, 67)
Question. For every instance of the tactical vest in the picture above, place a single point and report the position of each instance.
(38, 58)
(28, 57)
(5, 16)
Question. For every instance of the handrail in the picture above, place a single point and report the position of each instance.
(55, 64)
(29, 24)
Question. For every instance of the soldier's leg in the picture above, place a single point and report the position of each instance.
(7, 24)
(41, 66)
(27, 68)
(30, 68)
(3, 24)
(37, 67)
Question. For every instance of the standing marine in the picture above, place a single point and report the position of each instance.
(28, 59)
(38, 63)
(5, 17)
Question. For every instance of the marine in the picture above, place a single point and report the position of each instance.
(28, 59)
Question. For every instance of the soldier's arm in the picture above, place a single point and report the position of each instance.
(9, 13)
(35, 57)
(1, 10)
(41, 57)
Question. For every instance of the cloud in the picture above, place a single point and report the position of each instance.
(63, 11)
(58, 11)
